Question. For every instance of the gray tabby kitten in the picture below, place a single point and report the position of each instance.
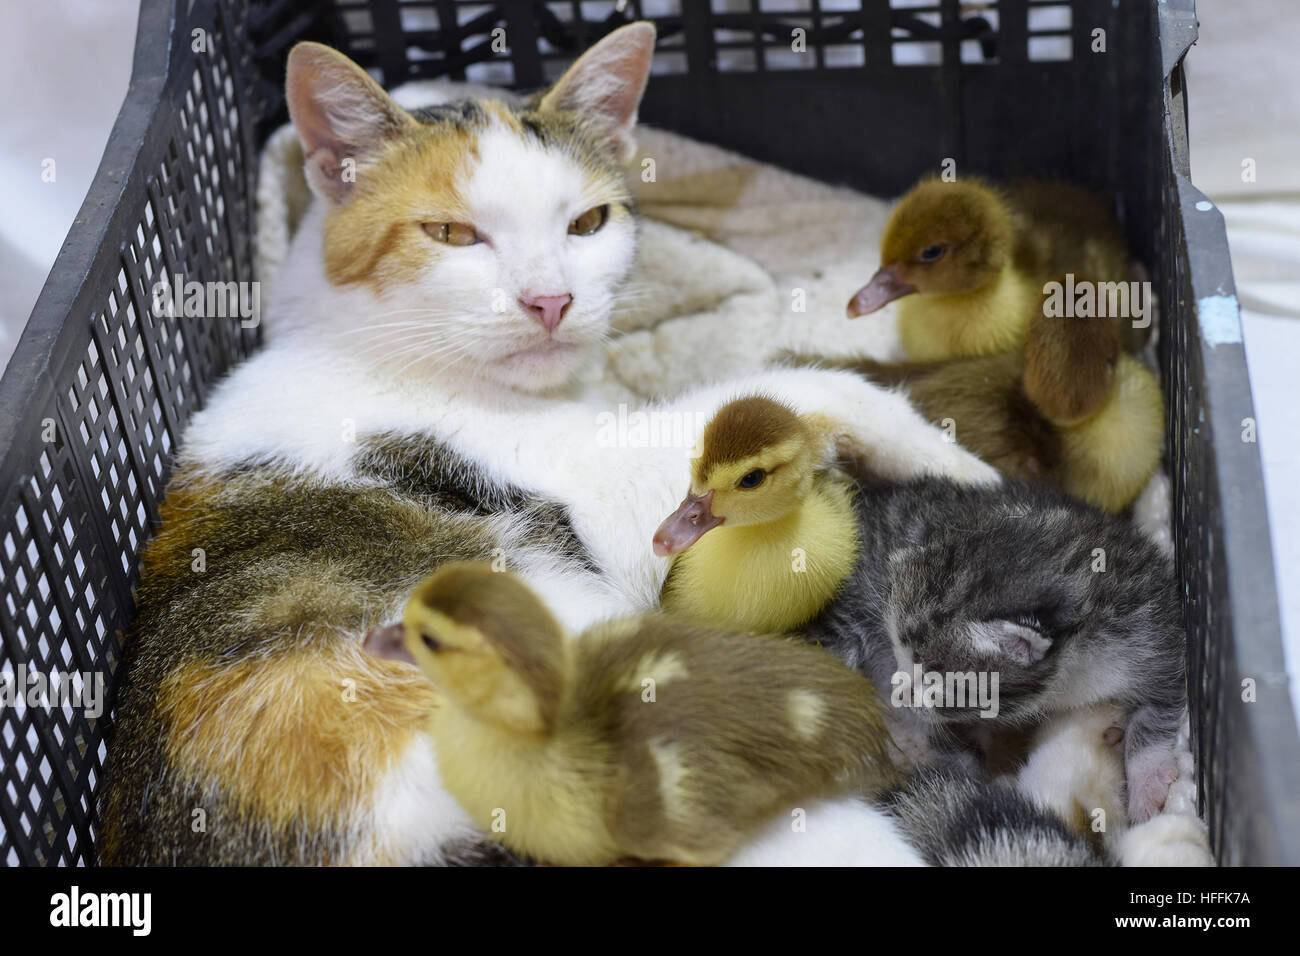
(1062, 604)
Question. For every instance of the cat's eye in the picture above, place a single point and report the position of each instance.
(590, 221)
(933, 253)
(431, 643)
(753, 479)
(452, 233)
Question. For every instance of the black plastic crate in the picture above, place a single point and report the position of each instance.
(98, 392)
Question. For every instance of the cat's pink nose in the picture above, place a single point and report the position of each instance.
(547, 309)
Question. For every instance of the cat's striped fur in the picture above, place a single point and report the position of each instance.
(248, 657)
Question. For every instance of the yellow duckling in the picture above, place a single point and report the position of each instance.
(1108, 457)
(969, 262)
(655, 738)
(1106, 407)
(781, 528)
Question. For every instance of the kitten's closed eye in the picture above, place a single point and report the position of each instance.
(452, 233)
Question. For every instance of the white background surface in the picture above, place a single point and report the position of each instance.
(65, 66)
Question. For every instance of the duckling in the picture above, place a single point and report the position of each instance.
(655, 738)
(1069, 366)
(1108, 458)
(970, 261)
(1104, 404)
(1070, 410)
(781, 532)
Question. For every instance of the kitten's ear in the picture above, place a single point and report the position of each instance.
(340, 113)
(1010, 641)
(607, 82)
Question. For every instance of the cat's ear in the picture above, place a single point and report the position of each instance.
(1010, 641)
(606, 83)
(341, 115)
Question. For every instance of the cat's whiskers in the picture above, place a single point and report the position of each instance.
(443, 361)
(416, 352)
(421, 310)
(391, 341)
(427, 344)
(425, 313)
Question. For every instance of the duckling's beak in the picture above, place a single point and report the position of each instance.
(388, 643)
(686, 525)
(885, 286)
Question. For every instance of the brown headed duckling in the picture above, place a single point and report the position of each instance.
(655, 738)
(767, 533)
(969, 262)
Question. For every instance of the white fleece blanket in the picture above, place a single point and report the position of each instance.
(738, 261)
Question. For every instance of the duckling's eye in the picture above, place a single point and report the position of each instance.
(753, 479)
(452, 233)
(590, 221)
(431, 643)
(933, 253)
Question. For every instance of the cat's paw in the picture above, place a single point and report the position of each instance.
(940, 459)
(1150, 775)
(965, 467)
(1170, 839)
(881, 434)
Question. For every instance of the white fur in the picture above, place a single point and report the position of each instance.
(1151, 513)
(412, 814)
(1070, 764)
(843, 832)
(1168, 839)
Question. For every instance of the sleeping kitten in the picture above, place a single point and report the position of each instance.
(1065, 605)
(412, 406)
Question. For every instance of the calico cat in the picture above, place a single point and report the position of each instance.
(412, 407)
(1066, 605)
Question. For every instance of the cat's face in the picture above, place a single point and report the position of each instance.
(486, 238)
(493, 239)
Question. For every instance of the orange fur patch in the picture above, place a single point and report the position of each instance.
(184, 513)
(376, 236)
(297, 737)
